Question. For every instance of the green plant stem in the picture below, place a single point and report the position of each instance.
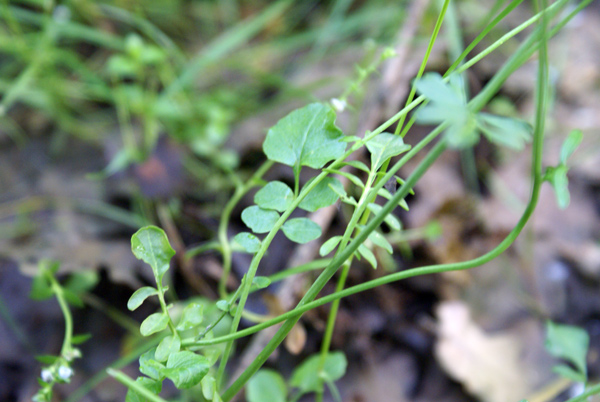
(163, 306)
(413, 90)
(224, 223)
(310, 266)
(131, 384)
(64, 307)
(332, 268)
(351, 228)
(518, 58)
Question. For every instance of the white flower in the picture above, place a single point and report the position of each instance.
(65, 372)
(47, 375)
(338, 105)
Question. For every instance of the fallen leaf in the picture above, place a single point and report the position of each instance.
(488, 366)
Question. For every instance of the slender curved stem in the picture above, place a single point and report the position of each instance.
(225, 245)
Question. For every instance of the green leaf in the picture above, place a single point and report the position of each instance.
(390, 219)
(305, 376)
(383, 147)
(149, 365)
(275, 195)
(82, 281)
(209, 386)
(192, 316)
(388, 196)
(570, 145)
(358, 165)
(40, 288)
(560, 182)
(46, 359)
(81, 338)
(266, 385)
(170, 344)
(329, 245)
(569, 343)
(367, 255)
(186, 369)
(504, 131)
(447, 104)
(322, 195)
(151, 385)
(379, 240)
(223, 305)
(72, 298)
(301, 230)
(258, 219)
(151, 245)
(138, 297)
(305, 137)
(248, 241)
(154, 323)
(261, 282)
(569, 373)
(354, 179)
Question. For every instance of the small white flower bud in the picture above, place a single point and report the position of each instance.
(65, 372)
(47, 375)
(338, 105)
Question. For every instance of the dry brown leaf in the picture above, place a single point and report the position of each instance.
(296, 339)
(488, 366)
